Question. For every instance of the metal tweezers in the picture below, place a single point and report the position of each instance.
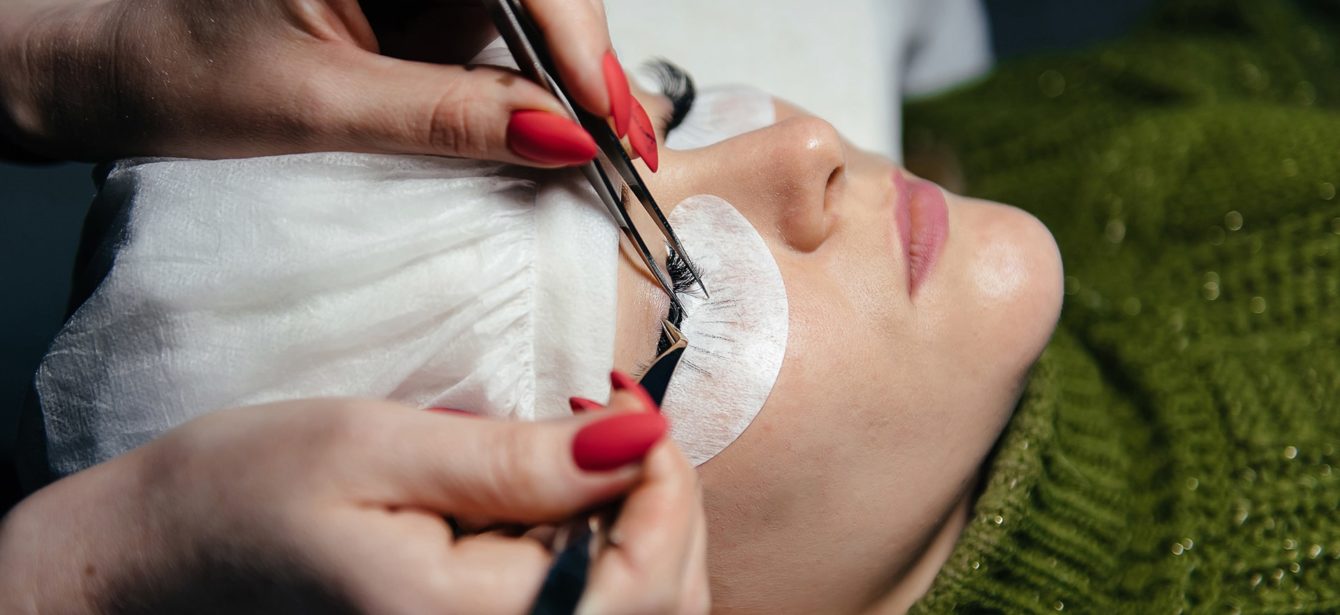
(527, 45)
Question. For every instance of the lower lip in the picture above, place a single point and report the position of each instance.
(922, 219)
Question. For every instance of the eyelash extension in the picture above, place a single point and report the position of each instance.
(679, 271)
(676, 85)
(682, 279)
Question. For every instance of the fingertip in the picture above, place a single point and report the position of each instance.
(617, 441)
(622, 382)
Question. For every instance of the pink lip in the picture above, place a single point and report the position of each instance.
(922, 220)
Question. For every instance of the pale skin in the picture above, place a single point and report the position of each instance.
(338, 506)
(226, 512)
(850, 488)
(103, 79)
(872, 479)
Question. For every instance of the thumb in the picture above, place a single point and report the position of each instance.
(368, 102)
(521, 472)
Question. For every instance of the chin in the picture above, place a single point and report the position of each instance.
(1010, 277)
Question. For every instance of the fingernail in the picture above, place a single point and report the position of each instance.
(643, 137)
(549, 139)
(617, 441)
(452, 411)
(582, 404)
(621, 96)
(620, 381)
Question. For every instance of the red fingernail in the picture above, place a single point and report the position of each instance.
(643, 137)
(549, 139)
(452, 411)
(617, 441)
(620, 95)
(582, 404)
(621, 382)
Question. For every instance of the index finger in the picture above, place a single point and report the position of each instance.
(506, 471)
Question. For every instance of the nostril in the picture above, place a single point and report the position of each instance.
(836, 178)
(833, 188)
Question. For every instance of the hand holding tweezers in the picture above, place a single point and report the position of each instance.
(527, 45)
(579, 542)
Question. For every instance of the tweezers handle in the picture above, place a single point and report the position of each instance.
(566, 582)
(534, 62)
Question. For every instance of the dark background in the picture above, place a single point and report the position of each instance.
(42, 208)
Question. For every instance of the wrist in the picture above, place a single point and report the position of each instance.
(36, 567)
(53, 59)
(71, 547)
(15, 20)
(17, 591)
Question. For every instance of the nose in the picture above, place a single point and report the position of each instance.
(786, 178)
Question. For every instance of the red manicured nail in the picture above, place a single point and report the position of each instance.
(452, 411)
(621, 382)
(617, 441)
(549, 139)
(621, 96)
(643, 137)
(582, 404)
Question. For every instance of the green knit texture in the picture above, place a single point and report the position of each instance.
(1178, 447)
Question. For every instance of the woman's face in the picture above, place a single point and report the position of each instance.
(899, 372)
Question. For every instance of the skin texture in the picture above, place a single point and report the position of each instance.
(852, 484)
(103, 79)
(227, 515)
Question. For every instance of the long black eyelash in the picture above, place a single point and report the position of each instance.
(679, 271)
(677, 86)
(682, 279)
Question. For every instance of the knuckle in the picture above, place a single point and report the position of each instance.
(511, 460)
(457, 125)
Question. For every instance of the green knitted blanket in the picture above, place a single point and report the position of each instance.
(1178, 447)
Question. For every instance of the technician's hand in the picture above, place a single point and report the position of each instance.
(338, 505)
(101, 79)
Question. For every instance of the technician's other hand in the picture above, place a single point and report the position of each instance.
(102, 79)
(339, 505)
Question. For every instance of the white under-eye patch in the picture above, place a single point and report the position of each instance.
(736, 338)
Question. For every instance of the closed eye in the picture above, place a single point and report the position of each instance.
(677, 86)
